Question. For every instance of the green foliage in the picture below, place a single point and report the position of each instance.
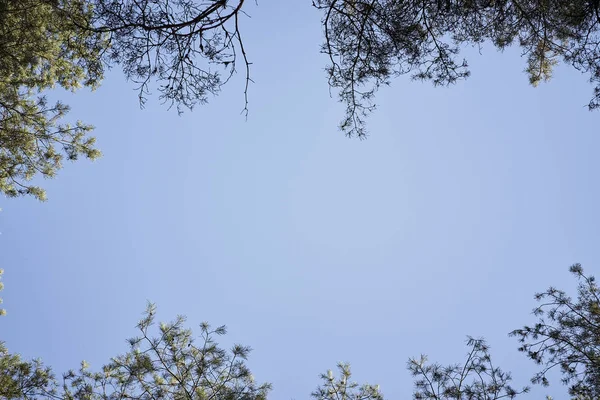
(167, 366)
(476, 379)
(370, 42)
(20, 379)
(187, 50)
(343, 388)
(567, 335)
(173, 365)
(182, 45)
(40, 50)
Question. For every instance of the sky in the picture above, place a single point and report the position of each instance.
(311, 247)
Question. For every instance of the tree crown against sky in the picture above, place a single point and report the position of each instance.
(567, 336)
(187, 50)
(41, 50)
(172, 364)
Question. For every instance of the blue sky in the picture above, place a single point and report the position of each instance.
(312, 248)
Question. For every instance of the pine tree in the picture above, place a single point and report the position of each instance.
(40, 50)
(567, 336)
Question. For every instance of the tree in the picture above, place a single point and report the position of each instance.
(188, 49)
(68, 43)
(476, 379)
(371, 41)
(171, 365)
(168, 366)
(567, 336)
(22, 379)
(343, 388)
(368, 42)
(40, 50)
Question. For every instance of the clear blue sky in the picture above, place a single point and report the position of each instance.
(311, 247)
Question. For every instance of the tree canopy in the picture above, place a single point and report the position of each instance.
(567, 336)
(476, 378)
(39, 50)
(371, 42)
(188, 49)
(171, 364)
